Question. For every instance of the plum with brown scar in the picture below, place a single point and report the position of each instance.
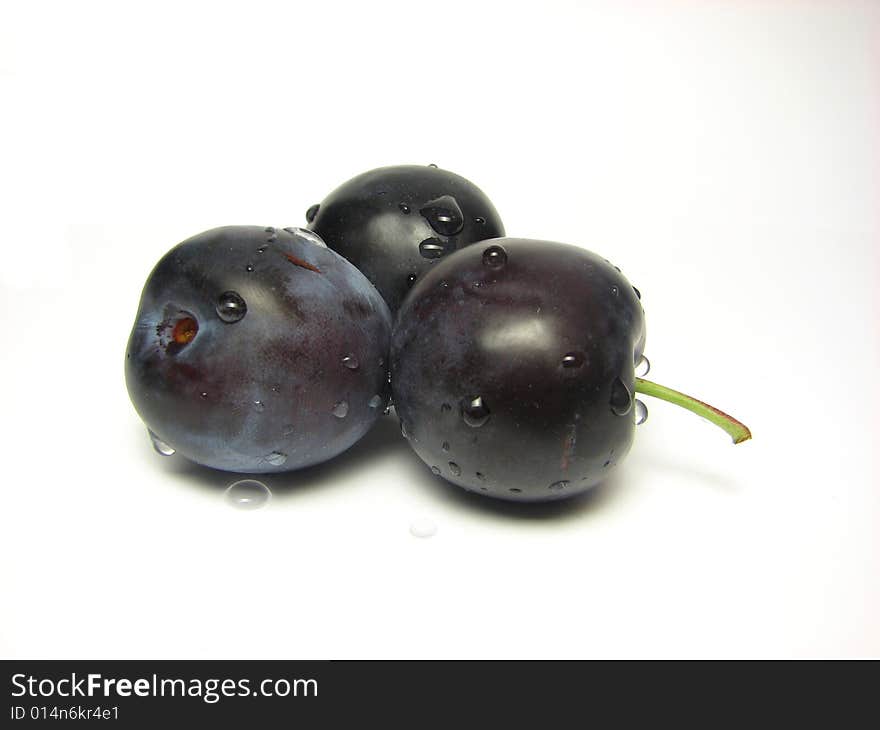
(257, 349)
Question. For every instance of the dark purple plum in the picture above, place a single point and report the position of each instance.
(258, 350)
(513, 369)
(395, 223)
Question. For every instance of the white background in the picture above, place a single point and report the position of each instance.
(723, 154)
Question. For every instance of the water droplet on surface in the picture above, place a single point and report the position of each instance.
(455, 469)
(276, 458)
(638, 293)
(312, 212)
(474, 411)
(615, 291)
(641, 412)
(203, 394)
(422, 528)
(404, 208)
(515, 490)
(231, 307)
(261, 249)
(403, 431)
(643, 366)
(445, 446)
(559, 486)
(431, 164)
(432, 248)
(269, 229)
(375, 401)
(495, 257)
(480, 221)
(443, 215)
(411, 279)
(340, 410)
(621, 398)
(259, 406)
(159, 445)
(351, 362)
(573, 359)
(445, 408)
(247, 494)
(481, 476)
(436, 470)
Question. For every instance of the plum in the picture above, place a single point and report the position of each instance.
(258, 350)
(394, 223)
(513, 369)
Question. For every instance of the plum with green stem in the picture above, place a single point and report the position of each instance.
(513, 369)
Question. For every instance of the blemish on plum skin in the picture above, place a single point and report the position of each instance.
(568, 447)
(302, 264)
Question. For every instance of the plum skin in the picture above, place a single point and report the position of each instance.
(258, 394)
(547, 340)
(374, 220)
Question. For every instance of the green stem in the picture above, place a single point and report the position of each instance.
(737, 431)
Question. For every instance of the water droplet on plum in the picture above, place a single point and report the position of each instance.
(340, 410)
(308, 235)
(443, 215)
(432, 248)
(559, 486)
(375, 401)
(351, 362)
(495, 257)
(455, 469)
(474, 411)
(160, 446)
(231, 307)
(312, 212)
(621, 398)
(641, 412)
(276, 458)
(643, 366)
(573, 359)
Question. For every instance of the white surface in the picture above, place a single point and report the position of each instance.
(725, 155)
